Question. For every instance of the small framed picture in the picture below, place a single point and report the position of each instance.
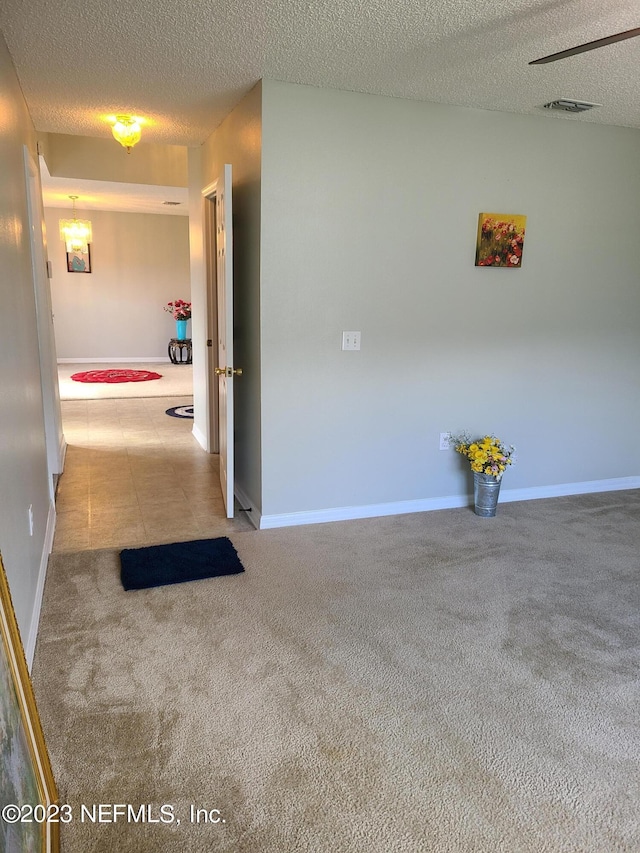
(79, 261)
(500, 240)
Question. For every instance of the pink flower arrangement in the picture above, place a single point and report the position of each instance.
(180, 309)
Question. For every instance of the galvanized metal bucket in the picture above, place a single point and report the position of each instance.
(485, 494)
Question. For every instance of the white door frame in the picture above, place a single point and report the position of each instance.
(54, 437)
(211, 307)
(219, 255)
(221, 191)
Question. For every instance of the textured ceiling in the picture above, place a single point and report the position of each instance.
(184, 66)
(107, 195)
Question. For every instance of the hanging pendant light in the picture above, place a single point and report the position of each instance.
(126, 131)
(75, 232)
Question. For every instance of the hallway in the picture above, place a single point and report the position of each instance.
(135, 476)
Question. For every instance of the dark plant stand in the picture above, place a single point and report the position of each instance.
(180, 351)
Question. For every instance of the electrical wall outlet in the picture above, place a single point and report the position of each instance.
(445, 441)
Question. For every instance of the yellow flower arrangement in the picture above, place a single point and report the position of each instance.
(487, 455)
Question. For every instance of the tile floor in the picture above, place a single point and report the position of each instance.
(135, 476)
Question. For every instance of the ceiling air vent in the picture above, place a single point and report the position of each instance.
(172, 203)
(568, 105)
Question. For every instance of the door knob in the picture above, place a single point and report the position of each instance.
(228, 371)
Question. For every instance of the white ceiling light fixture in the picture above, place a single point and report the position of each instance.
(75, 232)
(127, 131)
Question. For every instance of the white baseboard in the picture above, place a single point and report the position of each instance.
(30, 645)
(62, 454)
(320, 516)
(563, 489)
(200, 437)
(249, 507)
(114, 360)
(347, 513)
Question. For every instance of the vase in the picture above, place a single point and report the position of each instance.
(485, 494)
(181, 330)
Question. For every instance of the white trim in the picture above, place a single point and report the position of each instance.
(210, 189)
(114, 360)
(347, 513)
(200, 437)
(252, 514)
(30, 645)
(320, 516)
(63, 453)
(561, 489)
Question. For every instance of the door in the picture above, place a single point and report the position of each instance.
(225, 370)
(54, 437)
(210, 407)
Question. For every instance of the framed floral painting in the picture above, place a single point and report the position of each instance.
(30, 815)
(79, 261)
(500, 240)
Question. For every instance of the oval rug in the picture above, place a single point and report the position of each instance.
(181, 412)
(115, 376)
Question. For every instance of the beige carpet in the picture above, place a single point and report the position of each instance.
(437, 682)
(176, 381)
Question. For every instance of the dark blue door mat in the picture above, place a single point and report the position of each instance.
(158, 565)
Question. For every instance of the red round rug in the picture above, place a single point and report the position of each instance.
(115, 376)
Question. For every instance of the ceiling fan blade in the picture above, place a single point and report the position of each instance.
(590, 45)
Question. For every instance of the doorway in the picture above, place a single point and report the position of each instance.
(54, 438)
(212, 404)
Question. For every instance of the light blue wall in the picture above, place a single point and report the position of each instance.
(369, 216)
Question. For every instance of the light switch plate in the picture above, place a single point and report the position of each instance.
(351, 340)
